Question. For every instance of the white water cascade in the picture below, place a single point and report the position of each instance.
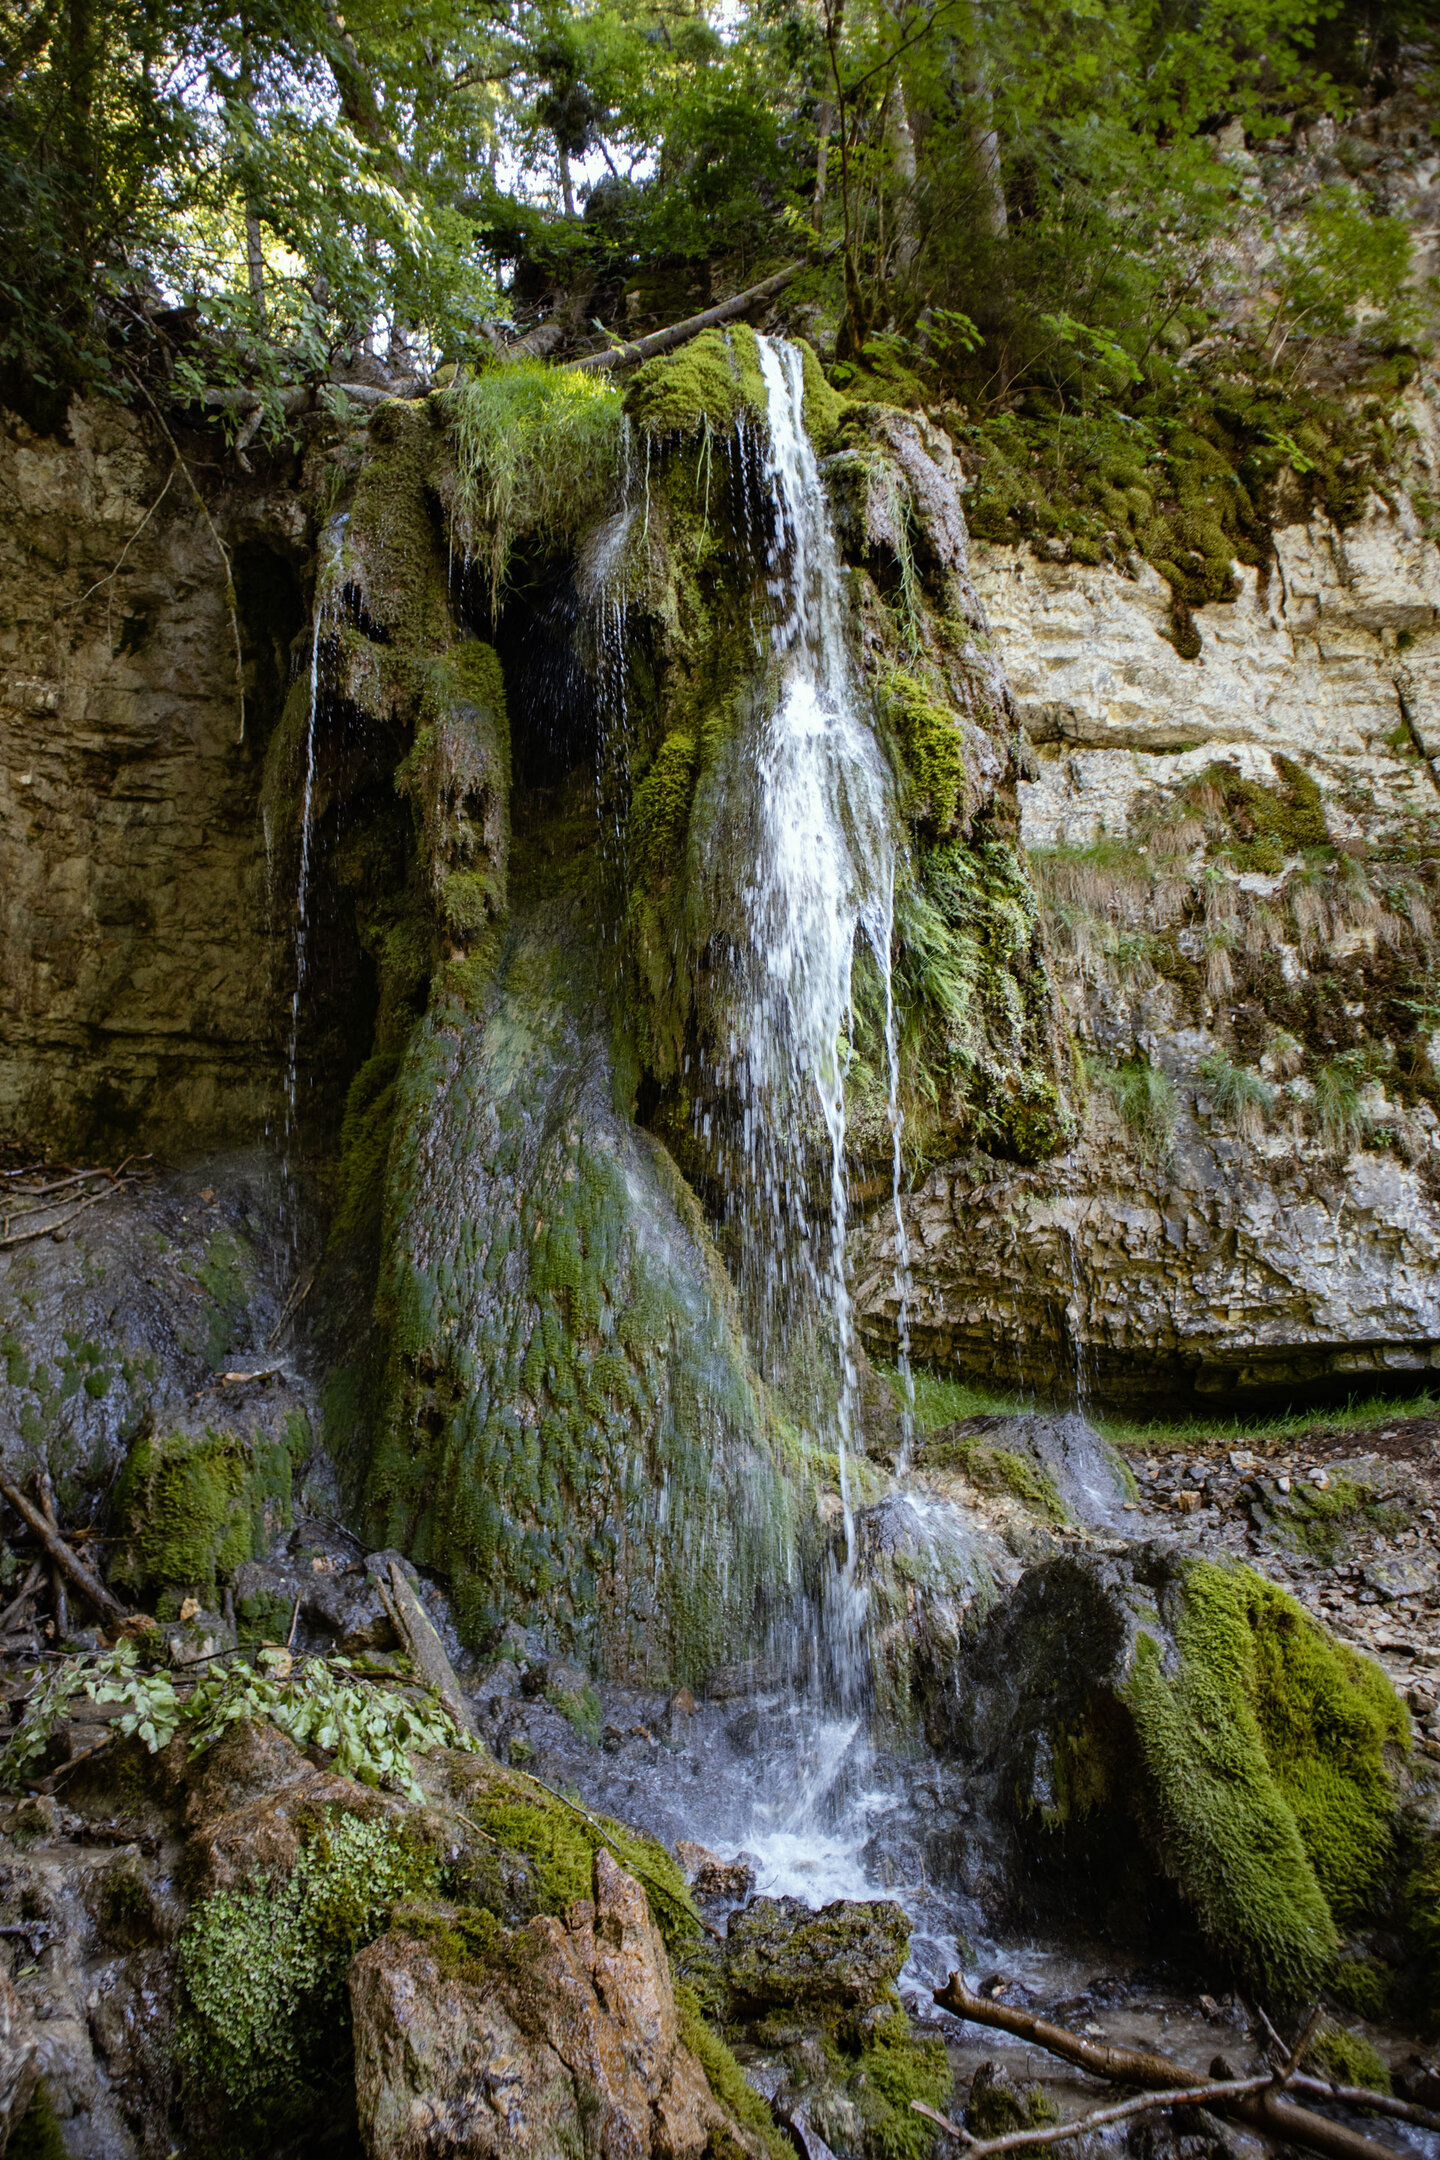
(820, 824)
(328, 582)
(818, 819)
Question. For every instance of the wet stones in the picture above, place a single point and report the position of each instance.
(780, 1953)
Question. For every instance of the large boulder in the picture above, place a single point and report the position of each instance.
(472, 2040)
(1147, 1720)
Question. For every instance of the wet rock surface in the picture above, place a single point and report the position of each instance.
(568, 2032)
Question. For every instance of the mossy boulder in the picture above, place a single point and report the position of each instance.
(1186, 1723)
(707, 386)
(573, 2026)
(192, 1508)
(780, 1953)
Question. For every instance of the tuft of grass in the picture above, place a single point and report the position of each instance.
(940, 1402)
(1267, 1432)
(536, 449)
(1144, 1099)
(1337, 1103)
(1240, 1095)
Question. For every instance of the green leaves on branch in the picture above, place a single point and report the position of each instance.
(370, 1728)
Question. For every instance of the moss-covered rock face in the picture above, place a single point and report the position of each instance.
(192, 1508)
(558, 1409)
(1194, 1714)
(980, 1043)
(709, 386)
(570, 1427)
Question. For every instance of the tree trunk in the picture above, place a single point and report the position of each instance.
(663, 340)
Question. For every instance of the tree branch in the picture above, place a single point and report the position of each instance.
(1264, 2110)
(660, 341)
(1055, 2133)
(61, 1554)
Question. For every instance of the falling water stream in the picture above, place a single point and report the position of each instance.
(327, 599)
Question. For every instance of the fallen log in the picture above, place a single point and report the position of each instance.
(1265, 2111)
(660, 341)
(60, 1552)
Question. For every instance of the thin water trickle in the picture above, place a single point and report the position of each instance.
(327, 592)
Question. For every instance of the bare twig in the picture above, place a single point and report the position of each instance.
(1265, 2110)
(1054, 2133)
(22, 1596)
(60, 1552)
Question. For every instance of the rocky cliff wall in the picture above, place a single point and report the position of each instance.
(142, 990)
(1238, 851)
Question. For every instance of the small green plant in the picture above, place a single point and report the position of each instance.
(263, 1968)
(536, 447)
(1240, 1095)
(370, 1728)
(1337, 1103)
(151, 1707)
(1144, 1098)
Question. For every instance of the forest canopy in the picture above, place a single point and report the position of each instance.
(989, 193)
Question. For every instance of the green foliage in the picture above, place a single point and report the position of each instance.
(1272, 1805)
(191, 1508)
(371, 1729)
(264, 2013)
(1344, 255)
(1144, 1099)
(151, 1709)
(537, 450)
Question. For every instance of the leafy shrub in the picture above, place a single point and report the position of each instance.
(370, 1728)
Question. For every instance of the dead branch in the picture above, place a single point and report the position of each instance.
(660, 341)
(14, 1611)
(1266, 2110)
(60, 1552)
(1054, 2133)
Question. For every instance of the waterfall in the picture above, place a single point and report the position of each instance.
(330, 556)
(820, 821)
(813, 803)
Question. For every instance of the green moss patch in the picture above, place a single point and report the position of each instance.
(192, 1508)
(997, 1470)
(708, 386)
(264, 2019)
(1265, 1750)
